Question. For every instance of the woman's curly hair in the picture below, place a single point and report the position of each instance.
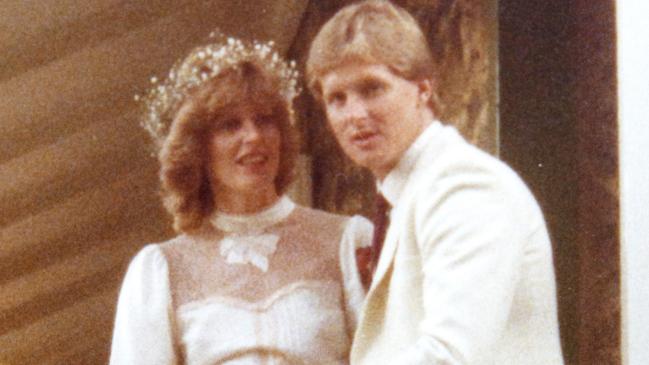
(184, 158)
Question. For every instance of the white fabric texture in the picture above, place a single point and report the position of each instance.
(183, 303)
(245, 240)
(466, 273)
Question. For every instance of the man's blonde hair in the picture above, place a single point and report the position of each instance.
(373, 32)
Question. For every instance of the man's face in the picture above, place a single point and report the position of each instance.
(375, 114)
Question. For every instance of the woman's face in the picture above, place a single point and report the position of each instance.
(244, 149)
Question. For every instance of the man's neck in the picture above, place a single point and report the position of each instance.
(426, 118)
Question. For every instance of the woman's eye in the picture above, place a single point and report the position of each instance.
(265, 119)
(228, 125)
(335, 99)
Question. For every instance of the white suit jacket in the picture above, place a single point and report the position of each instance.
(466, 273)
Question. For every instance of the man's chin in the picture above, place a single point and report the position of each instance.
(368, 162)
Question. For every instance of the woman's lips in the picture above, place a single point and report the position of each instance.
(252, 159)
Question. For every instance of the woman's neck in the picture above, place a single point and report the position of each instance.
(249, 202)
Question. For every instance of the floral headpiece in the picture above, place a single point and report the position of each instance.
(203, 63)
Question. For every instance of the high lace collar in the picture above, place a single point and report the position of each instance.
(256, 222)
(246, 240)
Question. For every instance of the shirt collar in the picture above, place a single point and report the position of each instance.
(392, 186)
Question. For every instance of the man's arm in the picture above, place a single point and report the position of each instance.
(471, 234)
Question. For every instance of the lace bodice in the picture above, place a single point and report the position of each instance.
(285, 328)
(300, 309)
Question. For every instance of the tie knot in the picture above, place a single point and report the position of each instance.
(368, 259)
(382, 206)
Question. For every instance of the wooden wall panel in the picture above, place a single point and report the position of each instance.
(46, 102)
(40, 32)
(100, 258)
(106, 148)
(54, 336)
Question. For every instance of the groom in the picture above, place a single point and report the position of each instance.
(465, 275)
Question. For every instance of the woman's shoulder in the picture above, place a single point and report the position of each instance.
(149, 253)
(324, 216)
(337, 226)
(321, 215)
(187, 241)
(154, 253)
(149, 263)
(159, 254)
(175, 242)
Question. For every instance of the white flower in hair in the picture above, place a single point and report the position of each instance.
(204, 63)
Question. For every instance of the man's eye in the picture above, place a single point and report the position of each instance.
(372, 89)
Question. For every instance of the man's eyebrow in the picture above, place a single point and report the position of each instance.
(370, 80)
(366, 77)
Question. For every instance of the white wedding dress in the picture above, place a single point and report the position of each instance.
(278, 287)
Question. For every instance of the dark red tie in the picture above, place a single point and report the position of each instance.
(367, 258)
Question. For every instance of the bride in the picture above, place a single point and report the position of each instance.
(251, 277)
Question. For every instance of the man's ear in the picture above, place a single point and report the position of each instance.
(425, 87)
(428, 96)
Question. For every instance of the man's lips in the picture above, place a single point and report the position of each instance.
(364, 138)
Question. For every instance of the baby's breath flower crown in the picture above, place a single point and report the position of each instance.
(203, 63)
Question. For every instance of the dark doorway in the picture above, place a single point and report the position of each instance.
(558, 129)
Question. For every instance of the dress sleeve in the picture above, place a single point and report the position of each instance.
(143, 324)
(357, 234)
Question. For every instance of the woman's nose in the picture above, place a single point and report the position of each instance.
(250, 130)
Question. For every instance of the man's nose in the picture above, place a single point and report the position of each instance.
(355, 108)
